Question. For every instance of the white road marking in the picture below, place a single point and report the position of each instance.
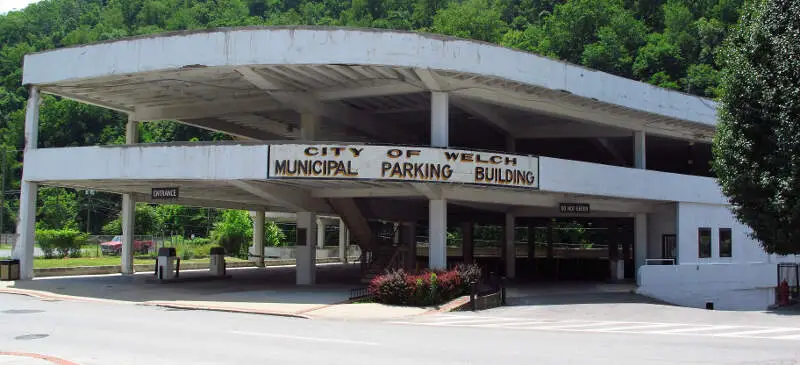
(314, 339)
(759, 331)
(645, 328)
(639, 327)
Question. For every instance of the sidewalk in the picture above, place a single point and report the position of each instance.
(250, 290)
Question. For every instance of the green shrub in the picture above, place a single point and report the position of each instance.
(234, 232)
(60, 243)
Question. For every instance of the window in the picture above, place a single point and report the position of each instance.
(704, 242)
(725, 243)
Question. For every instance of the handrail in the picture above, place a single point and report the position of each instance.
(670, 261)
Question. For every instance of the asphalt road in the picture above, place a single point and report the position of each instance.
(101, 333)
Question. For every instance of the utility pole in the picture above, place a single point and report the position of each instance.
(2, 188)
(89, 194)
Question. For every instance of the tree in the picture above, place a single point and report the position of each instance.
(476, 19)
(233, 231)
(756, 149)
(57, 209)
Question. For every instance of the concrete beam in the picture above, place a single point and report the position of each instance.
(294, 199)
(569, 130)
(376, 89)
(236, 130)
(268, 125)
(306, 103)
(85, 99)
(431, 79)
(364, 192)
(430, 191)
(206, 109)
(485, 113)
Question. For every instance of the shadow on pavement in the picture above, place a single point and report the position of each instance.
(246, 285)
(567, 293)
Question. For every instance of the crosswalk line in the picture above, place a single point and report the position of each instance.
(758, 332)
(701, 328)
(565, 326)
(640, 327)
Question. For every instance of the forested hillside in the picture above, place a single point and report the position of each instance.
(667, 43)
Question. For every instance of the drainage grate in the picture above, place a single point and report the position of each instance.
(34, 336)
(22, 311)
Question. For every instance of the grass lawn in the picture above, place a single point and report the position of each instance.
(42, 263)
(5, 247)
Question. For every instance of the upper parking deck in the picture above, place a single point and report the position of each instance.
(366, 85)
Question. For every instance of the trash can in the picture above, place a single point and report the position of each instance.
(166, 267)
(9, 270)
(217, 265)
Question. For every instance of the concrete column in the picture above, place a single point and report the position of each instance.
(26, 227)
(309, 125)
(468, 243)
(640, 242)
(440, 128)
(342, 242)
(128, 218)
(320, 233)
(639, 150)
(306, 248)
(258, 238)
(128, 208)
(408, 237)
(437, 235)
(511, 252)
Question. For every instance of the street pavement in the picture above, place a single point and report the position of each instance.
(108, 333)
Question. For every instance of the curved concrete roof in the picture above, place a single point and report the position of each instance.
(347, 46)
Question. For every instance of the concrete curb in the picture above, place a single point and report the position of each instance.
(215, 308)
(52, 359)
(450, 306)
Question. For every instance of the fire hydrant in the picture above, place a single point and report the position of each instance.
(783, 293)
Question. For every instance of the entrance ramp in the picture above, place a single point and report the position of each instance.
(356, 222)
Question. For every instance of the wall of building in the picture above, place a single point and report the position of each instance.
(660, 222)
(744, 281)
(142, 162)
(728, 286)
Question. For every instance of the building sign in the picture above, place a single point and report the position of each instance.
(419, 164)
(574, 208)
(164, 193)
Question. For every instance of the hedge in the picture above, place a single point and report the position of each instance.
(61, 243)
(423, 289)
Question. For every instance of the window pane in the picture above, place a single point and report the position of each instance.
(725, 243)
(704, 241)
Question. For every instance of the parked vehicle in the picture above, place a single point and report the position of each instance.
(114, 247)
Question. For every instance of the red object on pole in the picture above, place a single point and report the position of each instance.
(783, 293)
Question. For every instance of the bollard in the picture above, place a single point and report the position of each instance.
(472, 295)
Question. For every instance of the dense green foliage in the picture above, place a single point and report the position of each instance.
(757, 152)
(667, 43)
(61, 243)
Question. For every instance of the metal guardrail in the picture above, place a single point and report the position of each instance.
(359, 293)
(662, 261)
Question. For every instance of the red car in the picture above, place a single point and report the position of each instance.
(114, 247)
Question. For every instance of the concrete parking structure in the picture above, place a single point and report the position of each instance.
(394, 134)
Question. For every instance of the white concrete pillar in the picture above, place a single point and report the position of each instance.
(440, 126)
(258, 238)
(511, 251)
(128, 208)
(320, 233)
(437, 235)
(342, 242)
(128, 217)
(26, 227)
(306, 248)
(639, 150)
(639, 242)
(309, 125)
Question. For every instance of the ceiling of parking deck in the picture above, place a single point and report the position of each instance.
(363, 102)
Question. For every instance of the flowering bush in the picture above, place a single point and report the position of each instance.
(426, 288)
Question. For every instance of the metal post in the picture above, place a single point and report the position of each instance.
(2, 188)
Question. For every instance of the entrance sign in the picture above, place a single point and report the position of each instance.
(418, 164)
(574, 208)
(164, 193)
